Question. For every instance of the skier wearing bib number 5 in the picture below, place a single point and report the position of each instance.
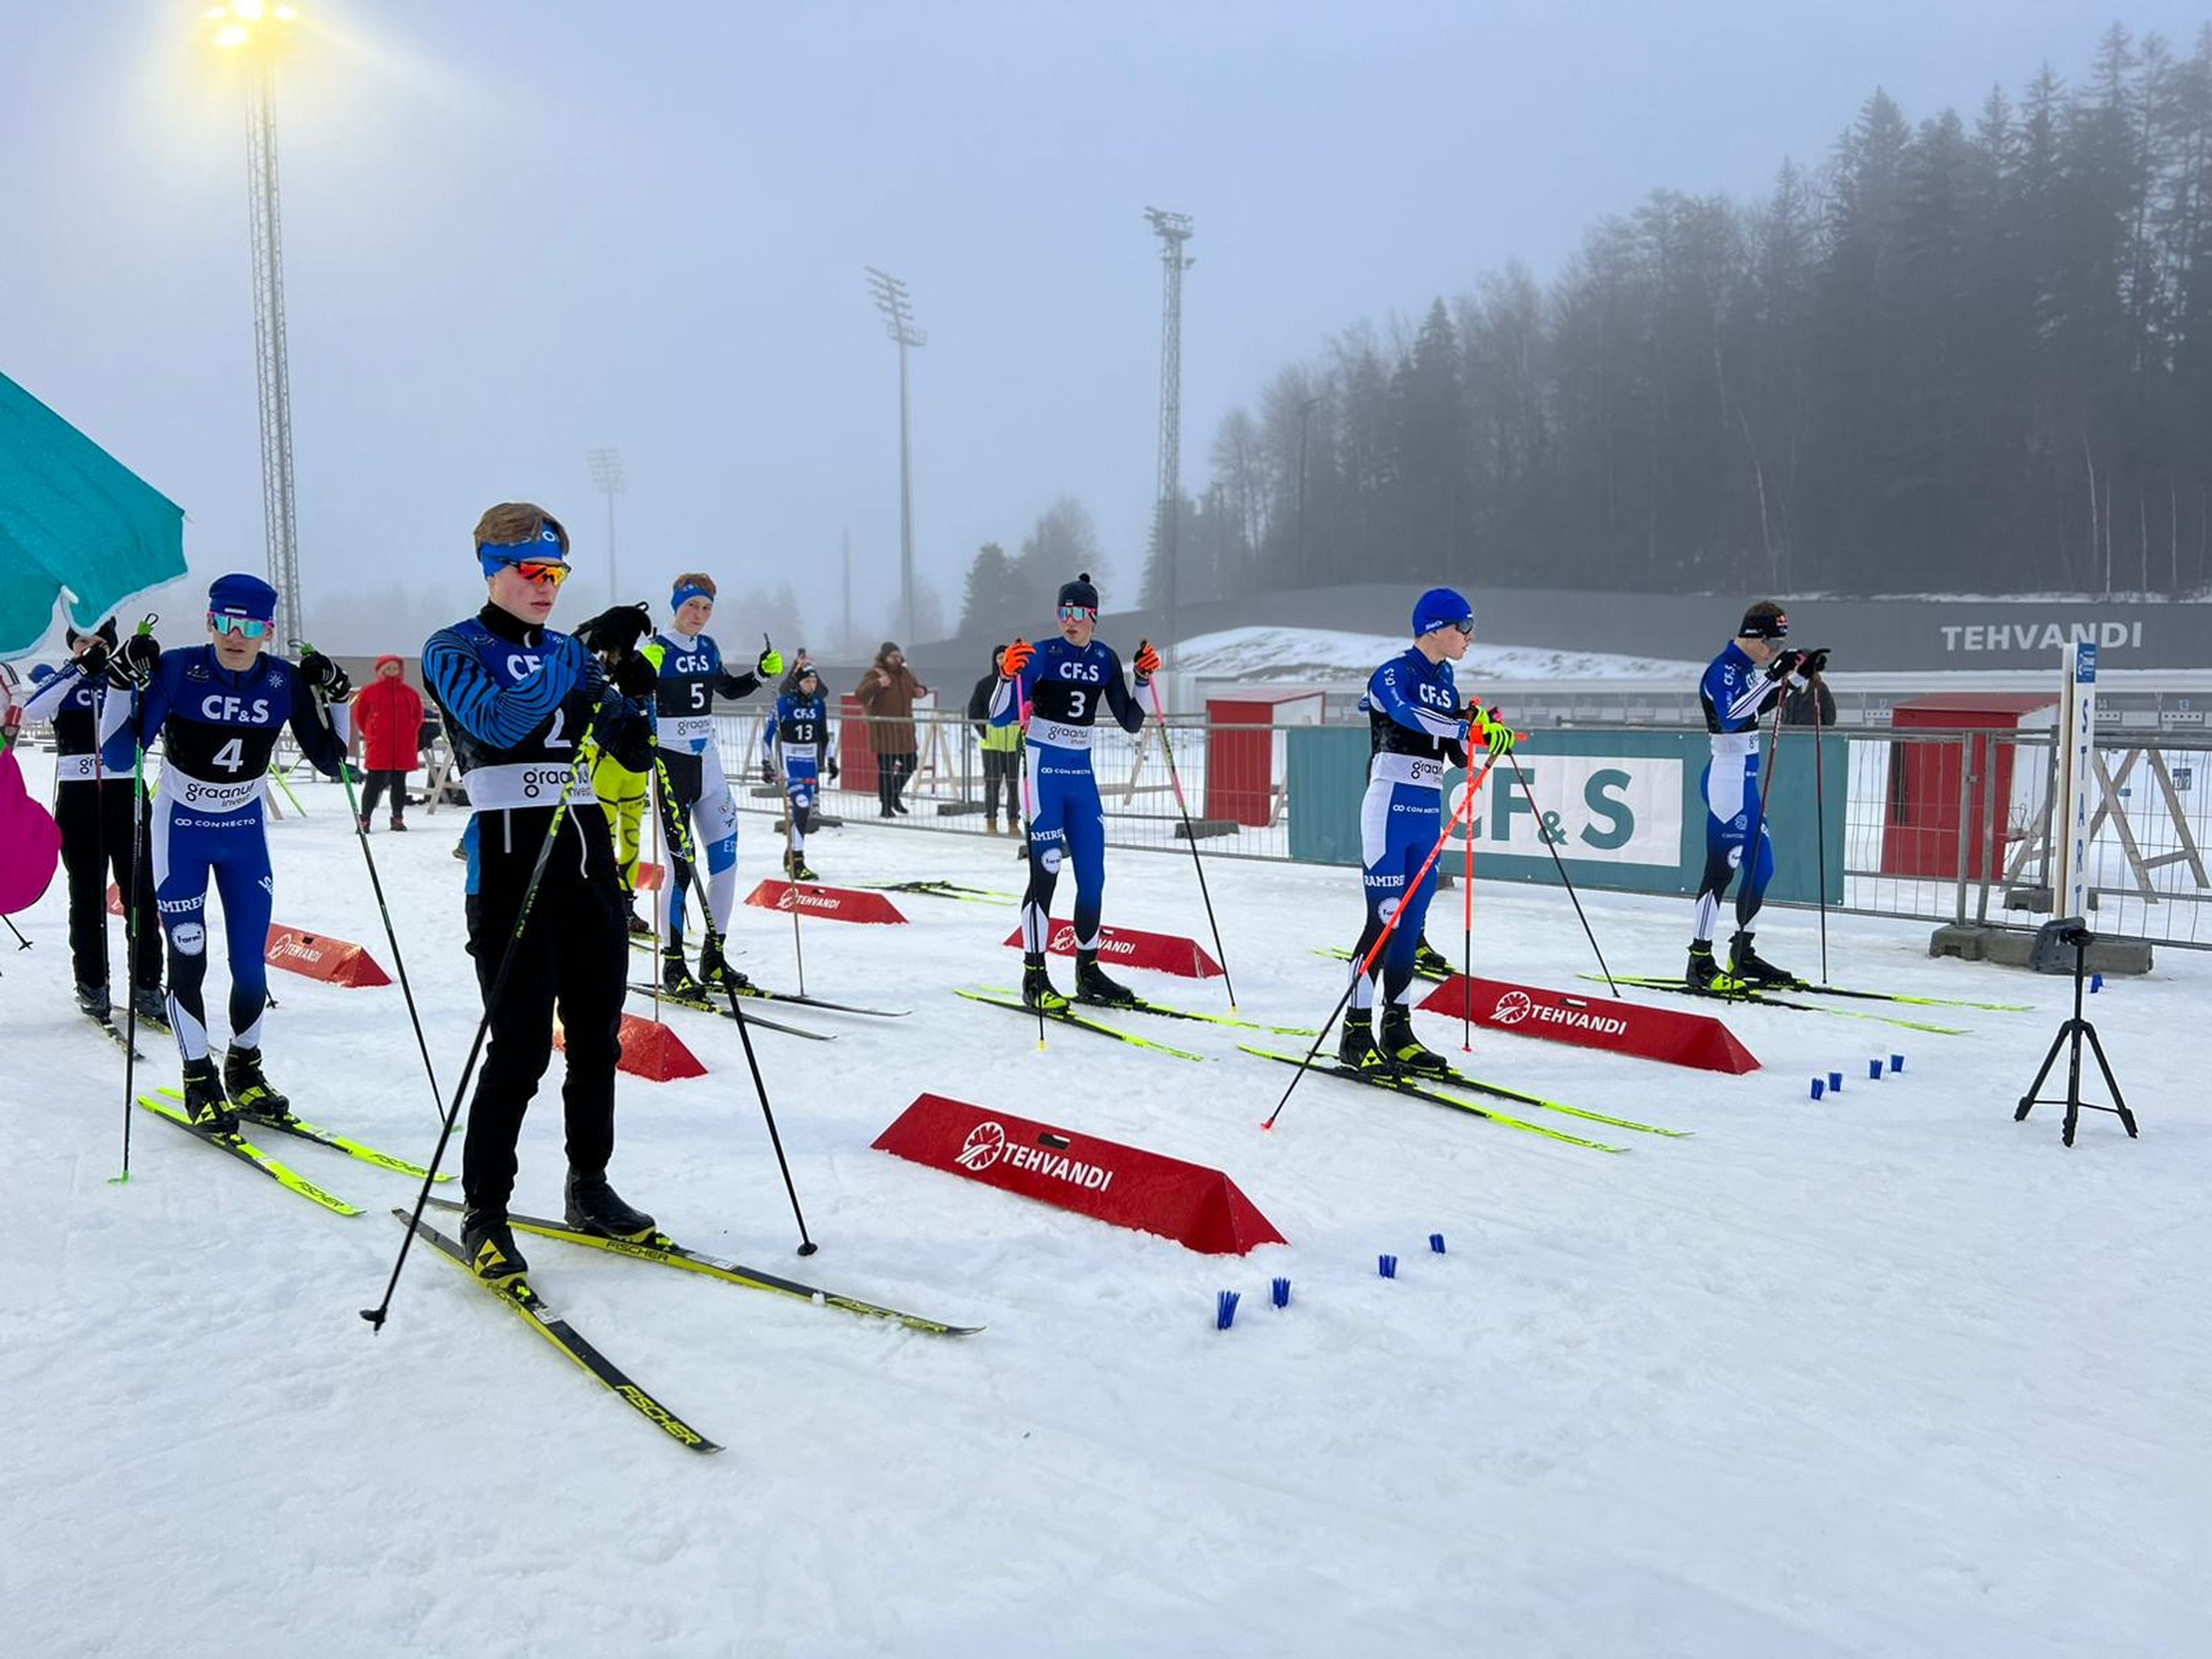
(1061, 682)
(520, 700)
(219, 709)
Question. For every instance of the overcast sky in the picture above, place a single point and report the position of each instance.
(515, 230)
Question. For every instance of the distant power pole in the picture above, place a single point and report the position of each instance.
(607, 473)
(898, 318)
(1173, 229)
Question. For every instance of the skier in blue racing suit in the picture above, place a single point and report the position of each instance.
(797, 749)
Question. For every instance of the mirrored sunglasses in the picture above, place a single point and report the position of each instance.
(251, 627)
(1079, 613)
(539, 570)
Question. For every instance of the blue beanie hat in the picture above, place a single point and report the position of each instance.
(241, 595)
(1082, 591)
(1440, 607)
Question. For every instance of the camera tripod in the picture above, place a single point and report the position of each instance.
(2069, 1036)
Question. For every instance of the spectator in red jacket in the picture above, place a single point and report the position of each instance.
(388, 719)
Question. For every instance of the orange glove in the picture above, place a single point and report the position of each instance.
(1147, 662)
(1016, 658)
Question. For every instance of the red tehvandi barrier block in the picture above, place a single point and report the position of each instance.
(318, 955)
(831, 904)
(1132, 947)
(1672, 1035)
(1199, 1208)
(649, 1050)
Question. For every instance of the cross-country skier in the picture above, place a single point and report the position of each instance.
(94, 790)
(611, 636)
(1739, 686)
(519, 701)
(1062, 683)
(797, 749)
(692, 786)
(218, 709)
(1417, 729)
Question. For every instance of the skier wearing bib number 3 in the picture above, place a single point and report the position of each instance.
(1062, 682)
(1417, 729)
(219, 709)
(519, 701)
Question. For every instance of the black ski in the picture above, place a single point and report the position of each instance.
(946, 889)
(1069, 1017)
(250, 1155)
(115, 1034)
(1142, 1006)
(300, 1129)
(531, 1307)
(1398, 1085)
(667, 1253)
(1745, 996)
(699, 1005)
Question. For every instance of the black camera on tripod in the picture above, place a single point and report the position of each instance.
(2052, 941)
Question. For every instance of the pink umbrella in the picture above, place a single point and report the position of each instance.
(30, 841)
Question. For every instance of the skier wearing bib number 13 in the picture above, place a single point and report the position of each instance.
(519, 700)
(1062, 683)
(219, 709)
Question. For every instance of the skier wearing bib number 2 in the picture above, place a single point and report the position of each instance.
(219, 709)
(698, 812)
(1060, 683)
(1417, 729)
(519, 701)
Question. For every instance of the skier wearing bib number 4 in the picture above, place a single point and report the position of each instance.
(1061, 682)
(219, 709)
(520, 700)
(1417, 729)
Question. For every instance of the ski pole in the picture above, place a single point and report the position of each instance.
(1467, 947)
(376, 886)
(1028, 846)
(1566, 880)
(1190, 834)
(131, 919)
(1366, 965)
(688, 850)
(21, 944)
(1820, 826)
(377, 1314)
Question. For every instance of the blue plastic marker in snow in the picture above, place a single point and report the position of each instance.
(2096, 983)
(1437, 1242)
(1874, 1069)
(1818, 1088)
(1280, 1290)
(1897, 1062)
(1835, 1083)
(1224, 1310)
(1387, 1265)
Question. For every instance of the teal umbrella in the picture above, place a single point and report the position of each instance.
(73, 517)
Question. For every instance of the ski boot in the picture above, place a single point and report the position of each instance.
(1402, 1049)
(639, 926)
(1703, 970)
(676, 979)
(1355, 1043)
(593, 1207)
(1751, 967)
(150, 1005)
(1037, 991)
(794, 865)
(92, 1000)
(1430, 963)
(1091, 984)
(249, 1090)
(716, 972)
(489, 1244)
(206, 1106)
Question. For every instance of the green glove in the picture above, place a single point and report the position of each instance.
(770, 664)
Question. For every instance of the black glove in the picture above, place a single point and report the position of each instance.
(134, 662)
(1816, 662)
(1785, 664)
(92, 661)
(635, 677)
(830, 766)
(617, 629)
(324, 673)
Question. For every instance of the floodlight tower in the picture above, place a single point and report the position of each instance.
(260, 35)
(1173, 229)
(898, 321)
(607, 474)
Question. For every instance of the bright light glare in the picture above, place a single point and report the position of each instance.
(233, 34)
(248, 10)
(285, 14)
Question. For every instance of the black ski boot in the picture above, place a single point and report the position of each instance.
(593, 1207)
(1430, 963)
(1748, 965)
(794, 865)
(636, 924)
(1355, 1043)
(716, 972)
(249, 1090)
(1036, 987)
(676, 979)
(206, 1106)
(153, 1008)
(92, 1000)
(489, 1244)
(1703, 969)
(1405, 1051)
(1091, 984)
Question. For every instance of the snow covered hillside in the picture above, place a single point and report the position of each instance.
(1882, 1374)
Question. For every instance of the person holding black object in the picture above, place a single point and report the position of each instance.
(520, 700)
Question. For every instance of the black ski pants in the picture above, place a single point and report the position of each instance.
(891, 773)
(94, 817)
(574, 956)
(375, 788)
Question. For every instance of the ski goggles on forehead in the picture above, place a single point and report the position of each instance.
(1079, 613)
(251, 628)
(539, 570)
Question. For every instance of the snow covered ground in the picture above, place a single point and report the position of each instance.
(1886, 1373)
(1290, 655)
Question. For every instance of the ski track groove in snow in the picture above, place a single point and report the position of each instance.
(1884, 1374)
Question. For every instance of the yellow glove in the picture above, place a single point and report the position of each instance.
(770, 663)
